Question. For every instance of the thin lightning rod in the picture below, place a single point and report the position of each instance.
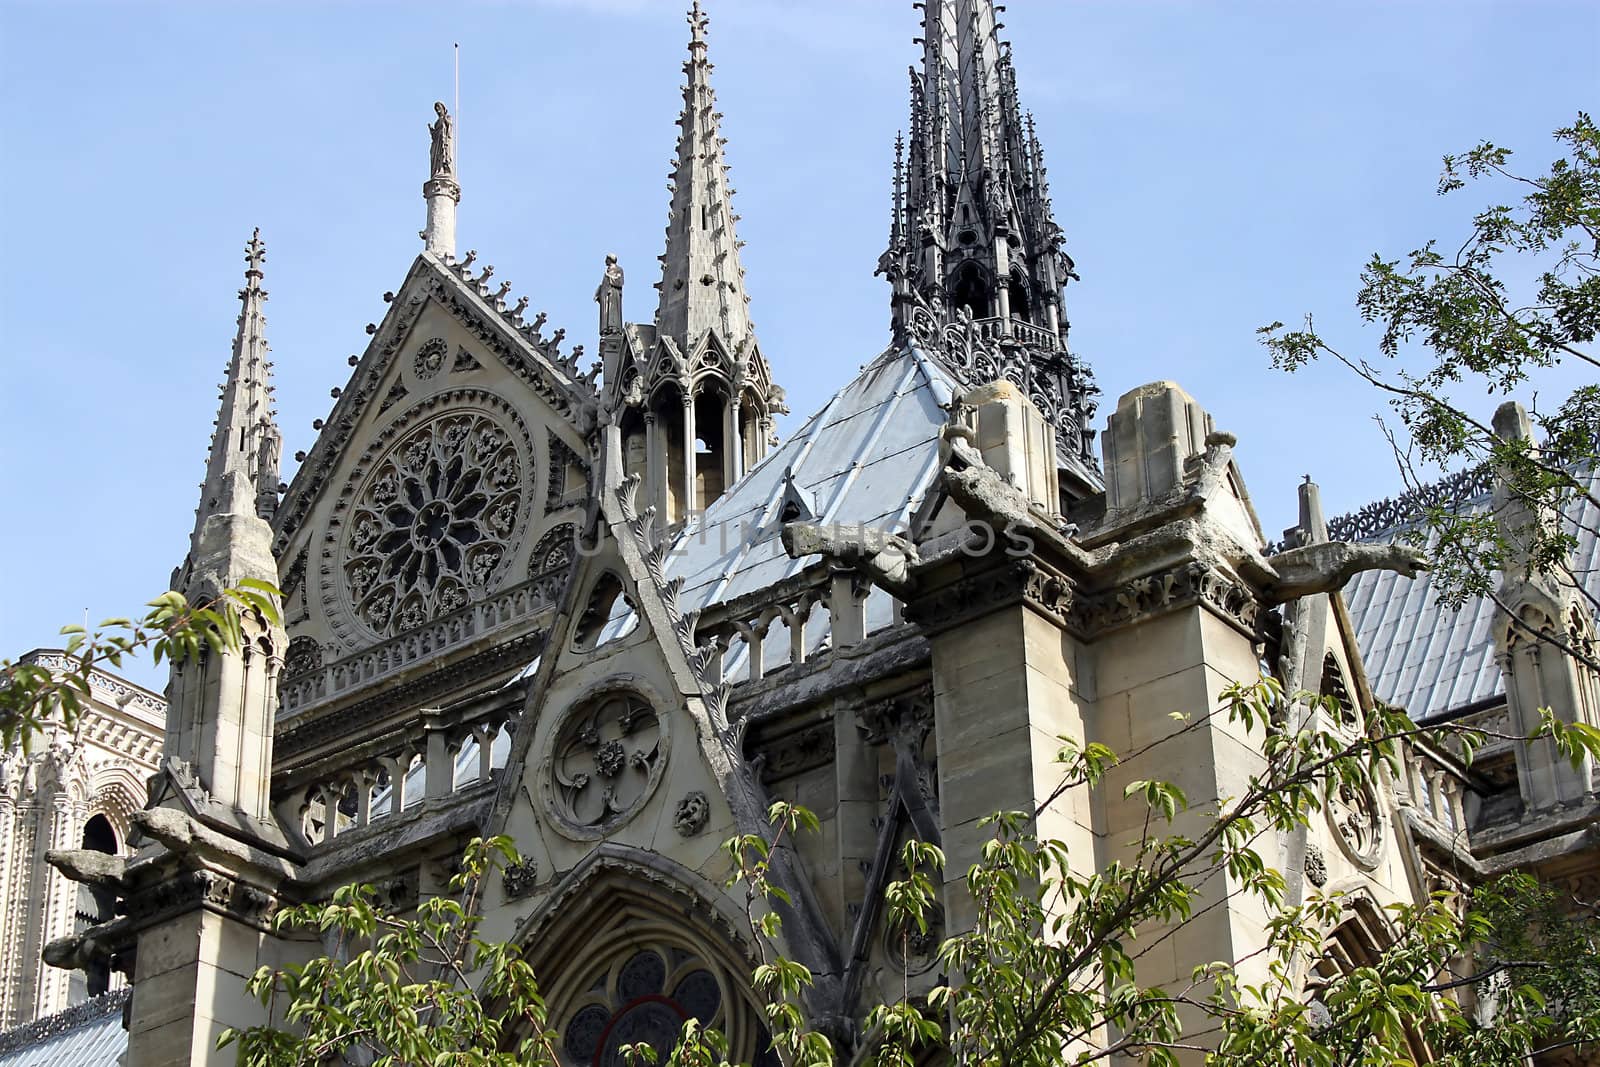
(458, 105)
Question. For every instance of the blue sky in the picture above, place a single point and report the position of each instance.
(1215, 166)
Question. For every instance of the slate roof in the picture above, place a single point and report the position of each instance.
(1426, 658)
(85, 1035)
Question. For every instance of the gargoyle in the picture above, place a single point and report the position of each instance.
(885, 558)
(75, 952)
(89, 867)
(1327, 566)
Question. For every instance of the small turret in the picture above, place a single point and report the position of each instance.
(691, 396)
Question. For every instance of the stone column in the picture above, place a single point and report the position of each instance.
(655, 474)
(689, 460)
(734, 451)
(442, 195)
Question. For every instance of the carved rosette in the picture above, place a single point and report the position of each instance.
(912, 949)
(604, 760)
(437, 517)
(1357, 824)
(430, 358)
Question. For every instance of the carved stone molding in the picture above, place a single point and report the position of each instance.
(1089, 615)
(189, 889)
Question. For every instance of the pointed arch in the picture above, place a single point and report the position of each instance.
(632, 942)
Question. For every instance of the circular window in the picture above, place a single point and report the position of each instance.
(434, 522)
(604, 760)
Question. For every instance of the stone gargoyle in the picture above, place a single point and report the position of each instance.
(1328, 565)
(884, 557)
(89, 867)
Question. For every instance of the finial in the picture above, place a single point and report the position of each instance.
(255, 254)
(697, 26)
(441, 190)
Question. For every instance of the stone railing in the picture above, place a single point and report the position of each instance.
(430, 760)
(799, 620)
(1022, 332)
(1436, 791)
(430, 639)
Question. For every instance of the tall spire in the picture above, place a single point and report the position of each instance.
(221, 709)
(974, 244)
(702, 281)
(242, 469)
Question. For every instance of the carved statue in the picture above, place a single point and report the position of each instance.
(1327, 566)
(609, 297)
(884, 557)
(442, 156)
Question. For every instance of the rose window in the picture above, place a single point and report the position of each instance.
(434, 522)
(605, 760)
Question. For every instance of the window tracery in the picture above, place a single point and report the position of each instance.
(435, 521)
(644, 997)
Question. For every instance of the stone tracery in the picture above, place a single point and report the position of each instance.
(435, 522)
(605, 761)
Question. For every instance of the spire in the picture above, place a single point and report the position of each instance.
(702, 281)
(242, 470)
(442, 191)
(221, 709)
(974, 243)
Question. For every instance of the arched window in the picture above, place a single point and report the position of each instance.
(94, 907)
(644, 997)
(1017, 294)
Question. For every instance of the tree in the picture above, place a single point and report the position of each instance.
(1048, 971)
(1518, 296)
(32, 696)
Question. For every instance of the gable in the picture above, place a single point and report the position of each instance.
(423, 532)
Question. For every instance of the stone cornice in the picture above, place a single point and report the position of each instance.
(1090, 614)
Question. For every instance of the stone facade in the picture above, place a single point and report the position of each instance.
(73, 789)
(601, 609)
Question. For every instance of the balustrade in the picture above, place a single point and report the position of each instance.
(435, 758)
(809, 616)
(1436, 790)
(431, 638)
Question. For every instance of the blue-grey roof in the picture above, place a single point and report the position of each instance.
(1428, 659)
(868, 456)
(86, 1035)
